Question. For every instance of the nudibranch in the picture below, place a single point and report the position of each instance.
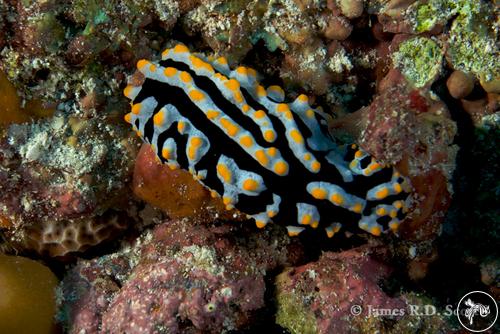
(272, 160)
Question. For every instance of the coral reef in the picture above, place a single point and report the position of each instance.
(419, 60)
(337, 281)
(473, 45)
(341, 293)
(414, 82)
(63, 237)
(60, 170)
(179, 277)
(296, 28)
(414, 128)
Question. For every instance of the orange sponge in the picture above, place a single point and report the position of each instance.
(27, 303)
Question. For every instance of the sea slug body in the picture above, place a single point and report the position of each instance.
(274, 161)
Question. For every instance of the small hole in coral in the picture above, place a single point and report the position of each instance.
(42, 75)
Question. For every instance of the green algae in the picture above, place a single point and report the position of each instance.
(427, 14)
(473, 46)
(472, 42)
(419, 59)
(293, 315)
(99, 18)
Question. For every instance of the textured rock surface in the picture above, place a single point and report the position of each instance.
(413, 129)
(61, 170)
(177, 278)
(341, 293)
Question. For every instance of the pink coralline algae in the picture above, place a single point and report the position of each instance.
(317, 297)
(341, 293)
(179, 278)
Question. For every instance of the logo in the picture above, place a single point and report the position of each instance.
(477, 311)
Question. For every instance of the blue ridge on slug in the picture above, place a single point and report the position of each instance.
(274, 161)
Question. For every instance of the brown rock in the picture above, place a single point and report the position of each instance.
(91, 101)
(379, 33)
(398, 5)
(419, 267)
(460, 84)
(339, 28)
(137, 79)
(79, 51)
(187, 5)
(490, 270)
(477, 109)
(332, 5)
(351, 8)
(433, 201)
(493, 101)
(491, 86)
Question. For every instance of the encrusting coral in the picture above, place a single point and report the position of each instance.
(179, 277)
(339, 292)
